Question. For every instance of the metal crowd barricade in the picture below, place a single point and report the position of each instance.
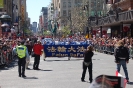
(5, 57)
(104, 49)
(109, 49)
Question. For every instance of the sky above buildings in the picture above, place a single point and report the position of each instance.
(34, 8)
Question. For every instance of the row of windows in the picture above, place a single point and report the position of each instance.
(65, 12)
(69, 3)
(65, 4)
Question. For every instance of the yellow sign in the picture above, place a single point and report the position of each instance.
(88, 36)
(1, 4)
(22, 12)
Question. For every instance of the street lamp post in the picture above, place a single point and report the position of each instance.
(88, 28)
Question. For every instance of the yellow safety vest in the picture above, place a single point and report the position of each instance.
(21, 51)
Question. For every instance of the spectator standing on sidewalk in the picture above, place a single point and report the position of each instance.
(29, 47)
(122, 57)
(87, 63)
(131, 50)
(38, 50)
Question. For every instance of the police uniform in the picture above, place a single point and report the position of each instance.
(21, 51)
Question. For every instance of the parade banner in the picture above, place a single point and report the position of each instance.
(64, 50)
(1, 4)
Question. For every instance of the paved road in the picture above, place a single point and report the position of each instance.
(60, 73)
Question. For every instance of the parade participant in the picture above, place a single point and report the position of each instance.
(122, 58)
(22, 53)
(87, 63)
(37, 49)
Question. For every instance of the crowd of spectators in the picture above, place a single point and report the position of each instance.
(103, 45)
(107, 45)
(6, 49)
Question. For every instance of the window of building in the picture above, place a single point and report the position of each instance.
(64, 12)
(99, 6)
(59, 5)
(64, 4)
(76, 2)
(69, 4)
(52, 4)
(81, 1)
(69, 12)
(52, 8)
(59, 14)
(52, 11)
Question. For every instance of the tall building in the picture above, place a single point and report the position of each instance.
(44, 17)
(40, 25)
(34, 27)
(6, 7)
(15, 11)
(118, 20)
(62, 10)
(50, 11)
(19, 14)
(98, 7)
(30, 26)
(34, 24)
(23, 11)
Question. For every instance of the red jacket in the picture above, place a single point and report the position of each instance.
(37, 49)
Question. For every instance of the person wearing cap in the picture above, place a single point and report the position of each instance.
(22, 54)
(38, 50)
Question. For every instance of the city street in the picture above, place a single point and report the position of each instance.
(60, 73)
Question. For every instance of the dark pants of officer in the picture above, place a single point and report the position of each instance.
(84, 72)
(21, 63)
(36, 62)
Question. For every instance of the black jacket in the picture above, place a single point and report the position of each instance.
(88, 56)
(29, 47)
(121, 52)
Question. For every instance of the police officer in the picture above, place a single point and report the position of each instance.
(21, 52)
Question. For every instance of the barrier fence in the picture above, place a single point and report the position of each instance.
(109, 49)
(104, 49)
(6, 56)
